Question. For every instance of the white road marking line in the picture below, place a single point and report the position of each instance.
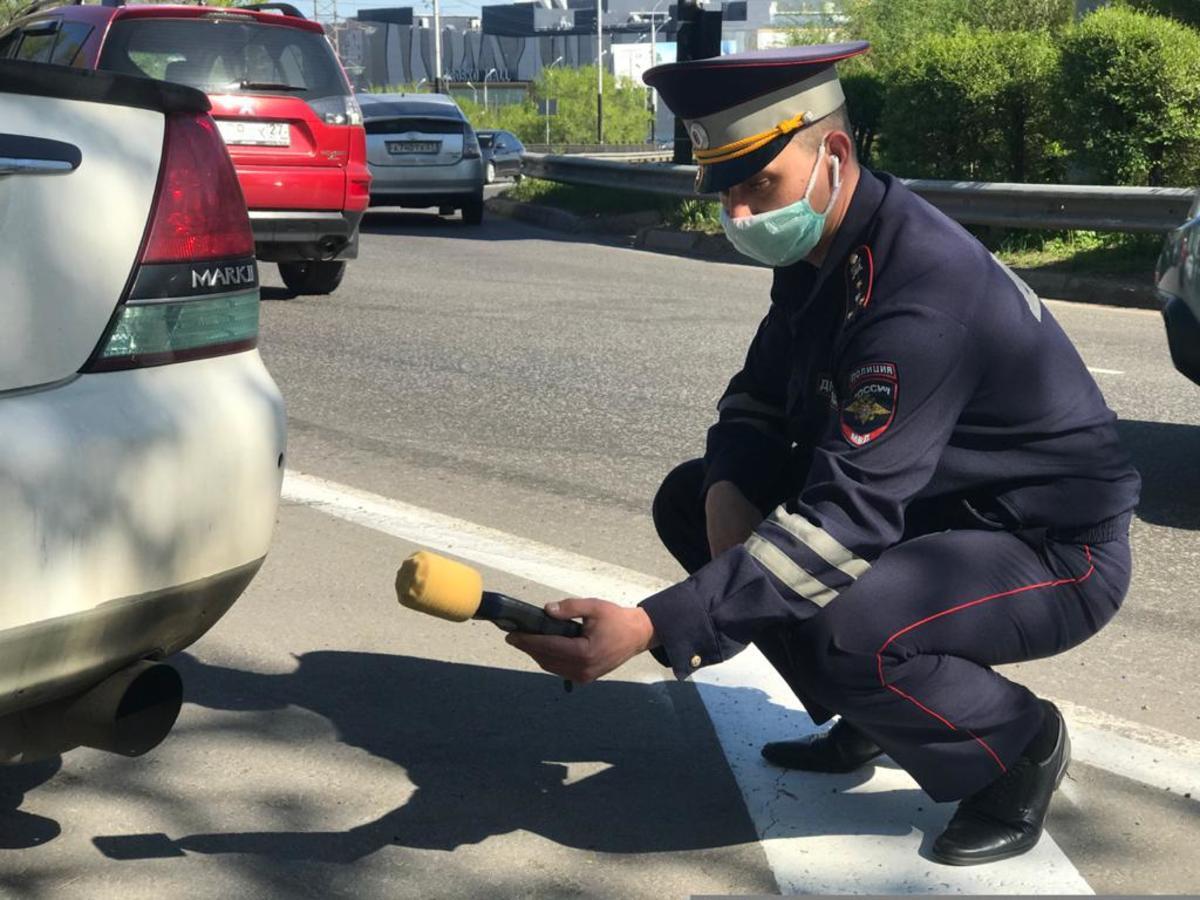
(806, 837)
(1156, 758)
(1080, 306)
(1096, 371)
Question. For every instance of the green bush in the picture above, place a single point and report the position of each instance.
(973, 105)
(1130, 96)
(894, 26)
(897, 29)
(626, 113)
(1021, 15)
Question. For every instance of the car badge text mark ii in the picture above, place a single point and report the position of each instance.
(224, 276)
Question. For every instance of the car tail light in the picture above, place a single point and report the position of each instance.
(470, 145)
(199, 210)
(195, 291)
(343, 110)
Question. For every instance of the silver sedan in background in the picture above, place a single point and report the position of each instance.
(423, 153)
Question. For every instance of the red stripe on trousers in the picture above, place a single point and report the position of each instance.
(1031, 587)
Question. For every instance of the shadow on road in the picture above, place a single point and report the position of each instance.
(276, 293)
(494, 228)
(21, 830)
(491, 751)
(1168, 456)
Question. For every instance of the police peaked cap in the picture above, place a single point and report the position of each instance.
(741, 110)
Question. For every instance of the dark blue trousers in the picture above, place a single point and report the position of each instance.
(905, 654)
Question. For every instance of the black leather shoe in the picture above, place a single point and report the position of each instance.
(1005, 818)
(843, 748)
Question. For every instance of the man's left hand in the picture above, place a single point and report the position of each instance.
(612, 635)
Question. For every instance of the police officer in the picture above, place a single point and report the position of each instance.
(913, 478)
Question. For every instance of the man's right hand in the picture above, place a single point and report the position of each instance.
(729, 516)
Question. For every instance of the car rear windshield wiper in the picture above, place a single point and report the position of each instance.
(269, 86)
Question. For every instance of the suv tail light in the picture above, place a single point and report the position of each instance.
(195, 291)
(341, 110)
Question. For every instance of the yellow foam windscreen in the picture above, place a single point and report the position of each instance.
(439, 586)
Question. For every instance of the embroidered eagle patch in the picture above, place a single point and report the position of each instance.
(870, 408)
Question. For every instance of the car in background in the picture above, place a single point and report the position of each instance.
(502, 152)
(423, 152)
(1177, 276)
(279, 96)
(144, 439)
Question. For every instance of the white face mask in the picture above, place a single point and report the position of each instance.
(786, 235)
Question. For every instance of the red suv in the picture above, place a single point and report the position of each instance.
(280, 98)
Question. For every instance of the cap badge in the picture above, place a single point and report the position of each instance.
(699, 136)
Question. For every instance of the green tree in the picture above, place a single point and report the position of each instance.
(9, 9)
(894, 26)
(1130, 96)
(974, 104)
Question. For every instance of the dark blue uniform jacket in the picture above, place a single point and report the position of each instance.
(909, 379)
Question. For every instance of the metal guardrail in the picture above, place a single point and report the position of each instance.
(1043, 206)
(594, 149)
(644, 156)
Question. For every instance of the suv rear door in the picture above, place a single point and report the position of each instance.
(277, 91)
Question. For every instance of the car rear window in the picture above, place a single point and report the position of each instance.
(70, 41)
(225, 55)
(424, 125)
(485, 141)
(37, 47)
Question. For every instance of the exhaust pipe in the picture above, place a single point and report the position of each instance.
(128, 713)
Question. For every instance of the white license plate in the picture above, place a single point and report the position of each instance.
(398, 147)
(255, 134)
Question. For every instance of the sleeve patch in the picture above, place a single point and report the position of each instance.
(870, 408)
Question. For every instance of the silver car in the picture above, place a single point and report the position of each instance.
(1178, 278)
(144, 440)
(422, 153)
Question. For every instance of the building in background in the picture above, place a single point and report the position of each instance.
(508, 45)
(514, 42)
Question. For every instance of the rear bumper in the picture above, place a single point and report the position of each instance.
(69, 654)
(158, 484)
(422, 186)
(1183, 335)
(293, 235)
(422, 201)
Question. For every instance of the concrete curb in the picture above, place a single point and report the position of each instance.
(647, 235)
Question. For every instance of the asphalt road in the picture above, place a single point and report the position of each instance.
(333, 744)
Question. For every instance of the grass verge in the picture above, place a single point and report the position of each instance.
(1084, 252)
